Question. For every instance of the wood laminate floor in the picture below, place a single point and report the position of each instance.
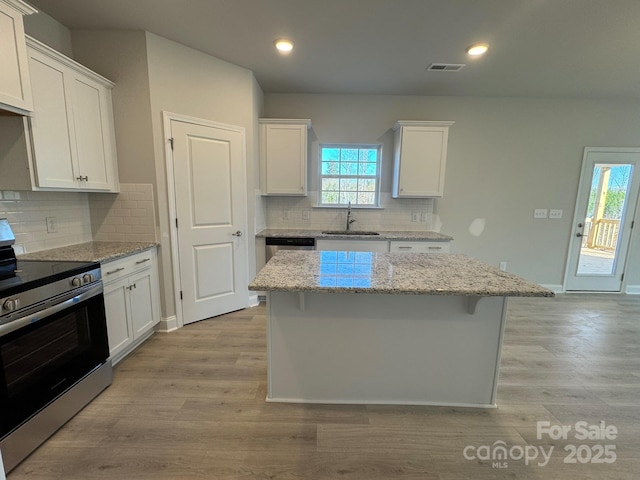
(190, 405)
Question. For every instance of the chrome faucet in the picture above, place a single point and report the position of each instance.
(349, 219)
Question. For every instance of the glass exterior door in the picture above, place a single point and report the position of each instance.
(606, 204)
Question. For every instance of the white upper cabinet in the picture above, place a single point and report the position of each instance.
(72, 129)
(420, 156)
(15, 93)
(283, 156)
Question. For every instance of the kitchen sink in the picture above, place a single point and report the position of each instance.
(349, 232)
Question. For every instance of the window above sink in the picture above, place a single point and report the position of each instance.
(349, 173)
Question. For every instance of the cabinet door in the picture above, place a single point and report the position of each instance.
(420, 161)
(93, 141)
(14, 74)
(141, 300)
(352, 245)
(117, 313)
(52, 128)
(284, 152)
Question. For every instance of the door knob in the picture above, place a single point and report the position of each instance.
(237, 234)
(580, 234)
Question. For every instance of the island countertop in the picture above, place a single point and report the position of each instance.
(390, 273)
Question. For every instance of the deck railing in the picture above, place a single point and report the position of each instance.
(603, 233)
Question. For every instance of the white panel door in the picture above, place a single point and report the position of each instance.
(209, 176)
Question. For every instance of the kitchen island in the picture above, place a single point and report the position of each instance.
(386, 328)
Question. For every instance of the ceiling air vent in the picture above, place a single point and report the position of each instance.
(446, 67)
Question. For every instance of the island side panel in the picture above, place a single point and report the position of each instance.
(387, 349)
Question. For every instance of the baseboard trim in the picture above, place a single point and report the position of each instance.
(632, 290)
(167, 324)
(254, 300)
(555, 288)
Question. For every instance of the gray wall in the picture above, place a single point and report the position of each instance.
(121, 56)
(49, 31)
(507, 156)
(152, 75)
(188, 82)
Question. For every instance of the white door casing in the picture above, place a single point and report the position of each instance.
(581, 277)
(210, 251)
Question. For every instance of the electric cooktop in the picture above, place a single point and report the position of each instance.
(23, 275)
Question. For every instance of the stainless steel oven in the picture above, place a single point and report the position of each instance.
(54, 352)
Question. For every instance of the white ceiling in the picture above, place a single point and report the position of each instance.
(539, 48)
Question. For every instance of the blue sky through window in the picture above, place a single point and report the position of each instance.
(349, 173)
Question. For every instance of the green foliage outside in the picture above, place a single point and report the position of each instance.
(613, 205)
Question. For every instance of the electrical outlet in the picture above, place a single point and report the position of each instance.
(52, 225)
(414, 216)
(305, 215)
(503, 266)
(555, 213)
(423, 217)
(540, 213)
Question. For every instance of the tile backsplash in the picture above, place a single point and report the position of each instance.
(79, 217)
(27, 212)
(409, 214)
(128, 216)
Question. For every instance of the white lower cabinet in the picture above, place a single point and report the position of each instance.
(399, 246)
(393, 246)
(131, 295)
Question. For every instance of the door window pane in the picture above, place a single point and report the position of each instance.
(607, 203)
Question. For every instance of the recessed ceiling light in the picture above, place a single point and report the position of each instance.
(284, 46)
(477, 49)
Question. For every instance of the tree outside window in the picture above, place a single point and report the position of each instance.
(349, 173)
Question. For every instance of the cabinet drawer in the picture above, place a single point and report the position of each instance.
(418, 247)
(126, 266)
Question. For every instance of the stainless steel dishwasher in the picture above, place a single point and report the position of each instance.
(273, 244)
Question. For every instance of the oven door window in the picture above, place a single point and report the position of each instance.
(43, 359)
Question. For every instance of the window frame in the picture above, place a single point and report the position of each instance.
(377, 177)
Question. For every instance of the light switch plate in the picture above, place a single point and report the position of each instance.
(555, 213)
(540, 213)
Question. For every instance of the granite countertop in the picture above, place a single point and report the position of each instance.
(90, 252)
(423, 235)
(396, 273)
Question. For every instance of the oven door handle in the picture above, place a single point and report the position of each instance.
(19, 323)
